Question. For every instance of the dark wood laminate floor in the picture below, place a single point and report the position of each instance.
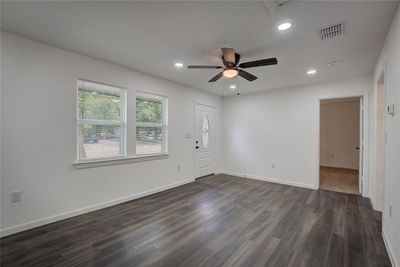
(215, 221)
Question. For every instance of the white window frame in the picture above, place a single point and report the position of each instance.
(121, 122)
(163, 124)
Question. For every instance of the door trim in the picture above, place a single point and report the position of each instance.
(194, 133)
(365, 170)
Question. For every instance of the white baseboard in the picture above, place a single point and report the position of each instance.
(374, 207)
(36, 223)
(272, 180)
(390, 251)
(373, 203)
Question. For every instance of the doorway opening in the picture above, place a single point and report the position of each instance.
(341, 145)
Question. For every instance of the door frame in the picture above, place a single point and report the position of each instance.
(362, 169)
(195, 103)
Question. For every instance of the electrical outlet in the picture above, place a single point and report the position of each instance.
(178, 167)
(390, 210)
(273, 165)
(16, 196)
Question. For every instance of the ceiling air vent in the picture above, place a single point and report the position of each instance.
(332, 31)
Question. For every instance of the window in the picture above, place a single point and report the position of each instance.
(151, 124)
(101, 121)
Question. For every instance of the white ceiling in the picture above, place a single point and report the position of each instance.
(150, 36)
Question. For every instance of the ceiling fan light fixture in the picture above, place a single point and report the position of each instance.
(230, 73)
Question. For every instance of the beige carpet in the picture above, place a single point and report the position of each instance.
(339, 180)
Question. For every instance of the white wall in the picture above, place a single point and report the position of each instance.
(38, 136)
(378, 148)
(340, 133)
(390, 61)
(281, 127)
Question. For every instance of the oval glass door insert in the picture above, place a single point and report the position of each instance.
(205, 132)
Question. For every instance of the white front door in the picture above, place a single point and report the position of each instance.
(205, 142)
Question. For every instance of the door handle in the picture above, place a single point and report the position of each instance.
(357, 148)
(197, 147)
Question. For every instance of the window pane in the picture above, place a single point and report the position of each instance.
(98, 105)
(149, 110)
(99, 141)
(149, 140)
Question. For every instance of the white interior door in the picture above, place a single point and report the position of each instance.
(205, 142)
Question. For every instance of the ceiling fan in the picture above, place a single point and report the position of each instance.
(232, 68)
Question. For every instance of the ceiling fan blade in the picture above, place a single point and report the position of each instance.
(259, 63)
(237, 59)
(248, 76)
(216, 77)
(203, 67)
(228, 55)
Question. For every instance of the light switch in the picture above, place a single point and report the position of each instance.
(390, 109)
(188, 135)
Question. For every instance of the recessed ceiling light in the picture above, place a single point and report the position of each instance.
(284, 26)
(178, 64)
(311, 71)
(232, 86)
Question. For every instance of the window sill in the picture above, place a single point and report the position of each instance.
(117, 161)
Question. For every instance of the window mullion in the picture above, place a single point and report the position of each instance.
(149, 124)
(99, 122)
